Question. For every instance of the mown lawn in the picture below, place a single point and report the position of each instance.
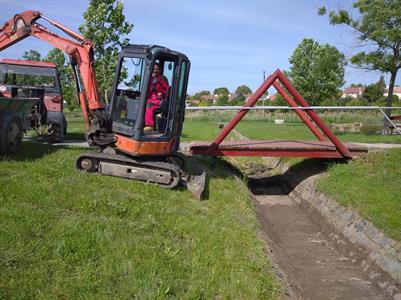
(255, 129)
(67, 234)
(193, 129)
(370, 185)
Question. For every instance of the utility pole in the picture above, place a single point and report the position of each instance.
(263, 101)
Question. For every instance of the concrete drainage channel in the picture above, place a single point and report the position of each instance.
(315, 260)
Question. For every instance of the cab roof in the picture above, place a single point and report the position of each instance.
(153, 48)
(31, 63)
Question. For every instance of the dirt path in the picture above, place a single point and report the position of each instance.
(313, 267)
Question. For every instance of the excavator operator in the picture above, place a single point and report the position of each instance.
(157, 93)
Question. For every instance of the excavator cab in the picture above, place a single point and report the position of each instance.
(131, 91)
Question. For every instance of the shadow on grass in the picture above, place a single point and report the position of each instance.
(214, 167)
(290, 179)
(31, 151)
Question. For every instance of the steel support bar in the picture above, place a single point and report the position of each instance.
(270, 153)
(302, 114)
(313, 115)
(251, 102)
(390, 121)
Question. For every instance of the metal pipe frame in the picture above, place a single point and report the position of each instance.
(298, 99)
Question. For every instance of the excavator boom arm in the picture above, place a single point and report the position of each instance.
(79, 49)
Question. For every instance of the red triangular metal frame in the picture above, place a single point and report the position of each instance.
(308, 116)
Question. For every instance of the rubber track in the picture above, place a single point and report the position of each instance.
(142, 163)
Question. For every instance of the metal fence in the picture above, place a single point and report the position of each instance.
(264, 108)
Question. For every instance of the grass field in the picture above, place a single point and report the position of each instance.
(372, 186)
(298, 131)
(66, 234)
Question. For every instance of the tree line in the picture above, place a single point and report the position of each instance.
(221, 96)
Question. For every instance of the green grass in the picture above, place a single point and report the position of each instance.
(76, 127)
(199, 130)
(370, 185)
(255, 129)
(67, 234)
(193, 129)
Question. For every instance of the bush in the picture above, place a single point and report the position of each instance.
(357, 102)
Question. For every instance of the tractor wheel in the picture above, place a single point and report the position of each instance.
(10, 134)
(56, 133)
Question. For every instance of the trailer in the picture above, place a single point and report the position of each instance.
(14, 120)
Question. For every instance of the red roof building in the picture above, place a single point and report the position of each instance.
(353, 92)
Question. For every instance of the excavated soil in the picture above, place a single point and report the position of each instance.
(310, 263)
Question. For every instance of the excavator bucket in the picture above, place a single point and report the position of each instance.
(197, 184)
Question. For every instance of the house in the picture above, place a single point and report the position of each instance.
(397, 91)
(353, 92)
(208, 98)
(272, 97)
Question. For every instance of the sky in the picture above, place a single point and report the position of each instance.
(229, 43)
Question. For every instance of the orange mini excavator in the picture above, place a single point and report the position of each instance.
(125, 149)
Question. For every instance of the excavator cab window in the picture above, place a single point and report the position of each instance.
(128, 93)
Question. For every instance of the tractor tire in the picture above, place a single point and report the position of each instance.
(11, 134)
(56, 133)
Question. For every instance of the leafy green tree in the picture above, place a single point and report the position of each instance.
(106, 27)
(239, 100)
(221, 91)
(278, 101)
(32, 55)
(243, 90)
(33, 80)
(198, 95)
(222, 100)
(205, 102)
(357, 102)
(378, 26)
(67, 80)
(317, 71)
(374, 92)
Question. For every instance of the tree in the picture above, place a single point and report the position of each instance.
(31, 55)
(26, 79)
(317, 71)
(239, 100)
(378, 26)
(198, 95)
(222, 100)
(67, 80)
(221, 91)
(374, 92)
(106, 27)
(243, 90)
